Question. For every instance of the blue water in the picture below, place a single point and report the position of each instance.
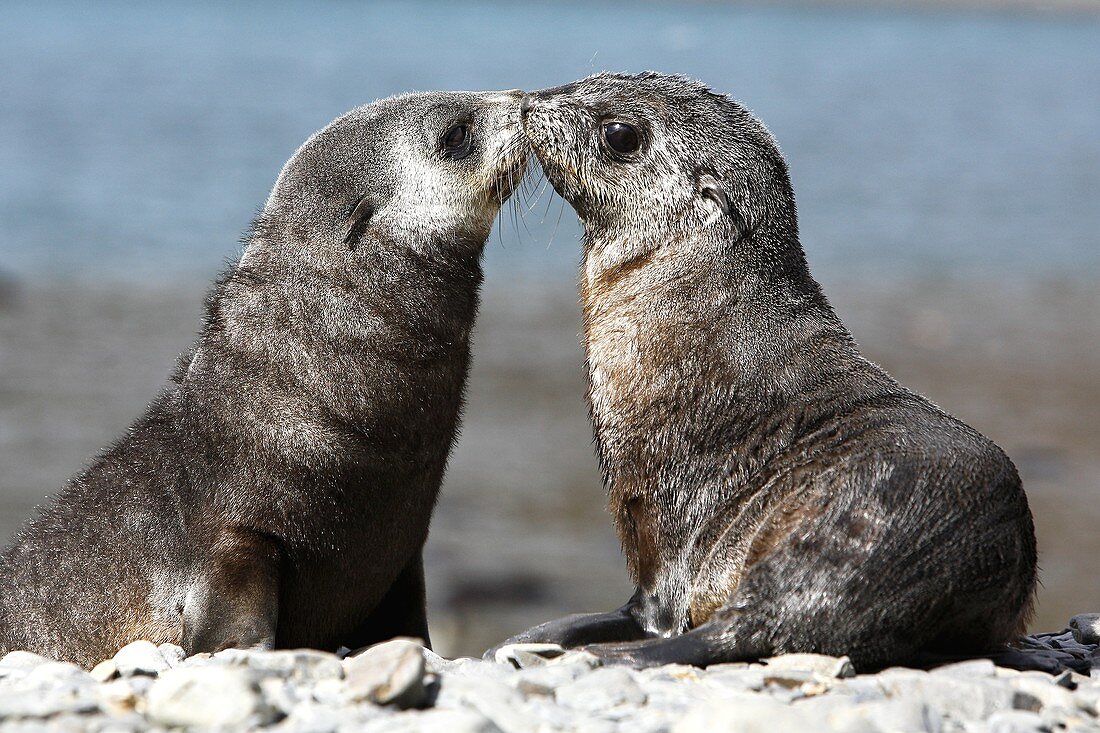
(137, 141)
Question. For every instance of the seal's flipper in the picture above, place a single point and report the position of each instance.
(580, 629)
(699, 647)
(235, 602)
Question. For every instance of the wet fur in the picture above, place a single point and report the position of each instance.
(279, 491)
(773, 490)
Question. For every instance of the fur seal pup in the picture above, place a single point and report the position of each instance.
(773, 490)
(278, 493)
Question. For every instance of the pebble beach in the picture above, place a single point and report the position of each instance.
(401, 686)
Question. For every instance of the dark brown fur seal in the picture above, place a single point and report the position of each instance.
(773, 490)
(278, 493)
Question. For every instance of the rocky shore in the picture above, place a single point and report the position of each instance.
(400, 686)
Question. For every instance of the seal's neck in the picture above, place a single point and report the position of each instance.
(309, 357)
(705, 358)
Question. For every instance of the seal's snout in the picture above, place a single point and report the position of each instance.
(525, 105)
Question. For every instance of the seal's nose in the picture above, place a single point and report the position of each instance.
(525, 105)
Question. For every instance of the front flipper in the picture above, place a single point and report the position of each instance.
(700, 647)
(580, 629)
(235, 600)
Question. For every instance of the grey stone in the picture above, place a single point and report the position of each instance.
(527, 655)
(140, 657)
(21, 661)
(970, 669)
(297, 665)
(1045, 691)
(602, 689)
(1016, 721)
(173, 655)
(53, 674)
(966, 700)
(886, 715)
(433, 721)
(390, 673)
(494, 698)
(105, 670)
(817, 663)
(740, 677)
(209, 696)
(547, 677)
(436, 664)
(34, 701)
(309, 717)
(117, 697)
(746, 714)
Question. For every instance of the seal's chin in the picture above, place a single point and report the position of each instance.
(566, 183)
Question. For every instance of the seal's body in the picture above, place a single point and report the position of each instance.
(279, 491)
(773, 490)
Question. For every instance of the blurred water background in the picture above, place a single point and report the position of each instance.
(946, 163)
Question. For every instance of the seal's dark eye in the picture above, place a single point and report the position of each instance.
(456, 140)
(621, 137)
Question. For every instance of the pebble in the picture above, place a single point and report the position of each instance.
(205, 697)
(390, 673)
(818, 664)
(400, 686)
(604, 688)
(140, 657)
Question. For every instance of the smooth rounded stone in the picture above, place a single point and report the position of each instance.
(207, 697)
(328, 692)
(886, 716)
(433, 721)
(140, 657)
(436, 664)
(390, 673)
(173, 655)
(1086, 628)
(527, 655)
(821, 664)
(309, 717)
(118, 697)
(471, 667)
(298, 665)
(54, 674)
(601, 690)
(863, 688)
(736, 677)
(967, 700)
(280, 693)
(1016, 721)
(672, 672)
(1046, 692)
(38, 701)
(747, 714)
(22, 661)
(547, 677)
(105, 670)
(481, 692)
(969, 669)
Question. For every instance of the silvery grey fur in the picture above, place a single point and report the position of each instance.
(278, 492)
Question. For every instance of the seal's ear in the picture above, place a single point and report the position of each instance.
(357, 218)
(710, 187)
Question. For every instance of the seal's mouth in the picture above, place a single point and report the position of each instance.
(548, 135)
(512, 166)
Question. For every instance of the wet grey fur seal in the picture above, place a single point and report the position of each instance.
(279, 491)
(774, 491)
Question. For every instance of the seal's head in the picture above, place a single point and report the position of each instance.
(649, 158)
(428, 170)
